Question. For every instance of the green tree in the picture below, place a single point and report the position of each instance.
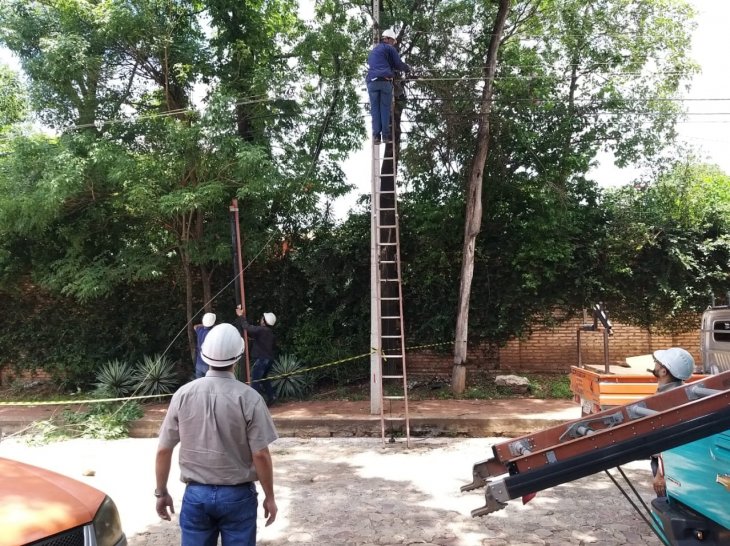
(668, 246)
(13, 99)
(572, 78)
(136, 186)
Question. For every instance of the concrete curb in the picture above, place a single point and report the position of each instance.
(428, 418)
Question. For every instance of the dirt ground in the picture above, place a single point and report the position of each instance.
(337, 492)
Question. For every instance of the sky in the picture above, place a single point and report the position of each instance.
(705, 128)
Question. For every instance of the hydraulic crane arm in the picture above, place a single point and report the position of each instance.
(602, 441)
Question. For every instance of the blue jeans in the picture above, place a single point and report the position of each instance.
(210, 510)
(381, 96)
(260, 370)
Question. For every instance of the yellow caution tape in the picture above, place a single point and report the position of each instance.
(88, 401)
(311, 369)
(124, 399)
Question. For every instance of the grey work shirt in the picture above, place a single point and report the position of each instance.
(669, 386)
(219, 422)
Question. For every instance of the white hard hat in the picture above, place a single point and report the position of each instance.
(389, 33)
(270, 318)
(222, 346)
(678, 361)
(208, 320)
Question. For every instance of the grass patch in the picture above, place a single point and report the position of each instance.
(35, 391)
(553, 386)
(556, 386)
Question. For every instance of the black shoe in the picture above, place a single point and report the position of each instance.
(376, 141)
(386, 139)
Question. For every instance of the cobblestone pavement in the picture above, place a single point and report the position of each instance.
(341, 492)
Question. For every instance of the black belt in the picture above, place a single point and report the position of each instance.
(221, 484)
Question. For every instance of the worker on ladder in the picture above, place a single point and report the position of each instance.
(383, 61)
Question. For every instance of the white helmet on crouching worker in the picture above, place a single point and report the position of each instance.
(389, 33)
(677, 361)
(222, 346)
(208, 320)
(270, 318)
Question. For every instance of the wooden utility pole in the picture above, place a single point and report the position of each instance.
(238, 274)
(473, 222)
(375, 357)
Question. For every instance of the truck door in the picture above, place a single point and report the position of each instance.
(715, 342)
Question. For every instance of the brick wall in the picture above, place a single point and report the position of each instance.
(553, 350)
(7, 376)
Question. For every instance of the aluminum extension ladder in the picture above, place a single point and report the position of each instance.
(389, 294)
(602, 441)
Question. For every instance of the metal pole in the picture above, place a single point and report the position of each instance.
(238, 272)
(376, 401)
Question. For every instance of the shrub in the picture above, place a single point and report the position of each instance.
(116, 378)
(156, 375)
(295, 383)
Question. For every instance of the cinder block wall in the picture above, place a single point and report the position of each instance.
(554, 350)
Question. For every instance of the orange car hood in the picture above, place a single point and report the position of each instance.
(36, 503)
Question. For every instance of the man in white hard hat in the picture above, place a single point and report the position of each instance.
(262, 352)
(201, 330)
(672, 367)
(383, 61)
(224, 430)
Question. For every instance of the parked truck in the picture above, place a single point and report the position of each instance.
(688, 425)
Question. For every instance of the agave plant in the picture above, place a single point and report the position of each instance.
(156, 375)
(115, 378)
(292, 380)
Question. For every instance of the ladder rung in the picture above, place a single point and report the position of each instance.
(387, 244)
(384, 191)
(388, 262)
(393, 355)
(391, 337)
(393, 317)
(387, 226)
(391, 418)
(394, 397)
(390, 299)
(386, 209)
(389, 280)
(392, 377)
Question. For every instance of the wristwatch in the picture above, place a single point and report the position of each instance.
(158, 494)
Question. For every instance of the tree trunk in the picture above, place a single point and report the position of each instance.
(188, 301)
(473, 220)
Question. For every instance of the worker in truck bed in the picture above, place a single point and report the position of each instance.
(672, 367)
